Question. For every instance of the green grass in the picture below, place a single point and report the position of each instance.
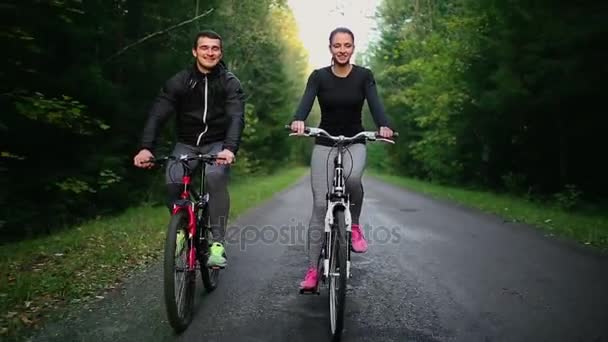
(589, 227)
(79, 264)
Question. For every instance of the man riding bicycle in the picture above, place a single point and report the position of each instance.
(209, 103)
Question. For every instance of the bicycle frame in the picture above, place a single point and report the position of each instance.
(193, 203)
(337, 197)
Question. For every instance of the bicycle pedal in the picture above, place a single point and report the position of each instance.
(310, 291)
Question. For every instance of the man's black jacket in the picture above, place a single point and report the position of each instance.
(208, 107)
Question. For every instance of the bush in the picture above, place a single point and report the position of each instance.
(569, 198)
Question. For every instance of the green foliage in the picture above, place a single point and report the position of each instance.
(9, 155)
(247, 163)
(72, 117)
(63, 112)
(107, 178)
(497, 93)
(75, 186)
(568, 198)
(514, 183)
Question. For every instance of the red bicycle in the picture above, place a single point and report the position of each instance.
(187, 244)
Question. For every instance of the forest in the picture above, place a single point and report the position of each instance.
(80, 77)
(501, 95)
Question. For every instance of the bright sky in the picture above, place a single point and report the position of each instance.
(317, 18)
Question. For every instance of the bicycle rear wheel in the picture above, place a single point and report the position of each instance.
(337, 275)
(179, 280)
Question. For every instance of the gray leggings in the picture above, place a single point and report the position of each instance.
(321, 175)
(216, 177)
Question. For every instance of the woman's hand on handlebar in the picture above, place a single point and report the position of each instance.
(298, 126)
(385, 132)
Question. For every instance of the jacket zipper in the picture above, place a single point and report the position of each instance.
(204, 114)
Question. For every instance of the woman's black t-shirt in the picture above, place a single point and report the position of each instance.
(341, 101)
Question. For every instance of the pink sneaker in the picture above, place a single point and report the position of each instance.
(310, 280)
(358, 243)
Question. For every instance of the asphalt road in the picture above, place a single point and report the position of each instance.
(434, 272)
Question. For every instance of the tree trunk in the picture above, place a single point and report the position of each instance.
(563, 152)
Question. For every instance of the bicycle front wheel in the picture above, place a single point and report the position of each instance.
(337, 275)
(179, 280)
(209, 276)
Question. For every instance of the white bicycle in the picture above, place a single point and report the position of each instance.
(334, 260)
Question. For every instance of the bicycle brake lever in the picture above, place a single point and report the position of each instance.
(386, 140)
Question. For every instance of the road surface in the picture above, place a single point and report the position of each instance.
(434, 271)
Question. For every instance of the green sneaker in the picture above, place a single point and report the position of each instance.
(217, 256)
(179, 242)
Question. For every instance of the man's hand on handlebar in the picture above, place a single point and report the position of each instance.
(225, 157)
(144, 159)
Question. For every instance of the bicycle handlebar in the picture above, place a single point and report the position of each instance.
(369, 135)
(207, 158)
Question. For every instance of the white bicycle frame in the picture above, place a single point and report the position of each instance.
(336, 198)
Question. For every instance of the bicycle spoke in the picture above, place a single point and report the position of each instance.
(332, 287)
(180, 278)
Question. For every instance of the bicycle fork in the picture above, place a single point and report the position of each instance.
(191, 232)
(329, 222)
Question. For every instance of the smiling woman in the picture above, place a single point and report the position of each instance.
(341, 46)
(341, 89)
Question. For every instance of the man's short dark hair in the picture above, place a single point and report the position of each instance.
(207, 34)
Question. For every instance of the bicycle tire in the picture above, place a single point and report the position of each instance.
(178, 319)
(337, 292)
(210, 277)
